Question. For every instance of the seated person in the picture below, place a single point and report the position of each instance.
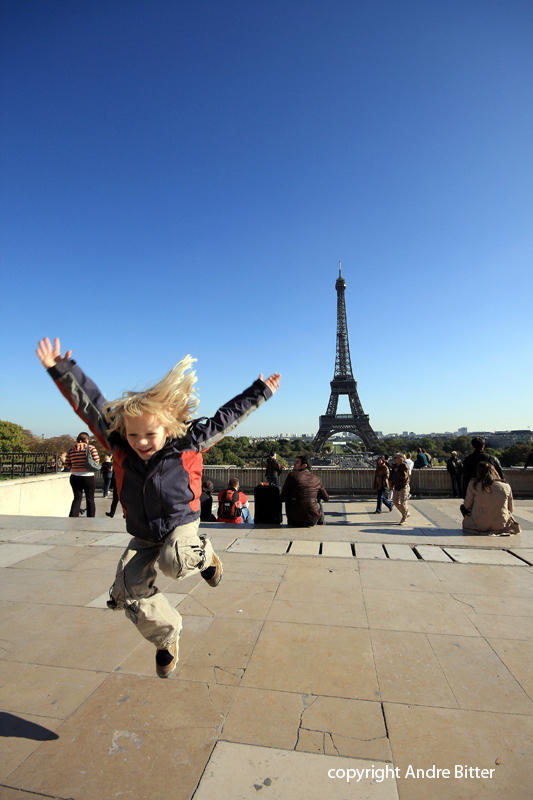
(301, 492)
(233, 504)
(488, 504)
(421, 459)
(206, 503)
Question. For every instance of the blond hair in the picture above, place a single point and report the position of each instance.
(173, 401)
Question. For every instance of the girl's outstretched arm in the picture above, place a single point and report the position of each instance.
(83, 395)
(50, 356)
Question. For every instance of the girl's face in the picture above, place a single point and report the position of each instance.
(145, 435)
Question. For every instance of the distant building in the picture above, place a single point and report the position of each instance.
(501, 439)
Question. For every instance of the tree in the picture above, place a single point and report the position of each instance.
(56, 444)
(12, 438)
(213, 456)
(462, 444)
(515, 455)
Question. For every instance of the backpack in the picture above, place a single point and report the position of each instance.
(228, 507)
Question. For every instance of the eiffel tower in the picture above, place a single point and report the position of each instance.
(343, 383)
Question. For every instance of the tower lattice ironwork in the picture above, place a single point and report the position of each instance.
(343, 383)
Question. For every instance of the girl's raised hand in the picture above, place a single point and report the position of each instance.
(48, 355)
(272, 381)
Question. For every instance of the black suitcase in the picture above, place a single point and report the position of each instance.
(267, 502)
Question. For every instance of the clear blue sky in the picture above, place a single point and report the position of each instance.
(183, 177)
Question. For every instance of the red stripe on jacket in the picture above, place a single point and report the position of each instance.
(193, 465)
(76, 408)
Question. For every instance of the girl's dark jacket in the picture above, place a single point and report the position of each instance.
(164, 492)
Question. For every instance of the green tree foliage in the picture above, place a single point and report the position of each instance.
(242, 452)
(13, 438)
(515, 456)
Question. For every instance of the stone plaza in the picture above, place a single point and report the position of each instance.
(356, 660)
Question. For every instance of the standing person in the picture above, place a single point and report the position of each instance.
(399, 480)
(381, 484)
(81, 480)
(488, 507)
(107, 474)
(301, 494)
(157, 450)
(273, 469)
(454, 466)
(410, 463)
(471, 462)
(114, 500)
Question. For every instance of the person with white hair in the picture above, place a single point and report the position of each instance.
(399, 480)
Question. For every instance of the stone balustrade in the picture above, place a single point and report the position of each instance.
(51, 495)
(434, 482)
(37, 496)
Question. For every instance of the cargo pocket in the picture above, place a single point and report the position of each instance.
(182, 555)
(117, 592)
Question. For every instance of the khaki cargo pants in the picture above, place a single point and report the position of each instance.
(181, 554)
(399, 499)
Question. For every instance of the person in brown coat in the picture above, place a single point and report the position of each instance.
(381, 484)
(301, 493)
(488, 504)
(399, 480)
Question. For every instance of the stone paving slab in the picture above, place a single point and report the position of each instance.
(526, 554)
(370, 551)
(13, 553)
(402, 552)
(423, 736)
(115, 540)
(21, 735)
(259, 546)
(337, 550)
(305, 548)
(432, 553)
(467, 556)
(299, 776)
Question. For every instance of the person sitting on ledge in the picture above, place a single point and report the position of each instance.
(233, 504)
(301, 494)
(488, 505)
